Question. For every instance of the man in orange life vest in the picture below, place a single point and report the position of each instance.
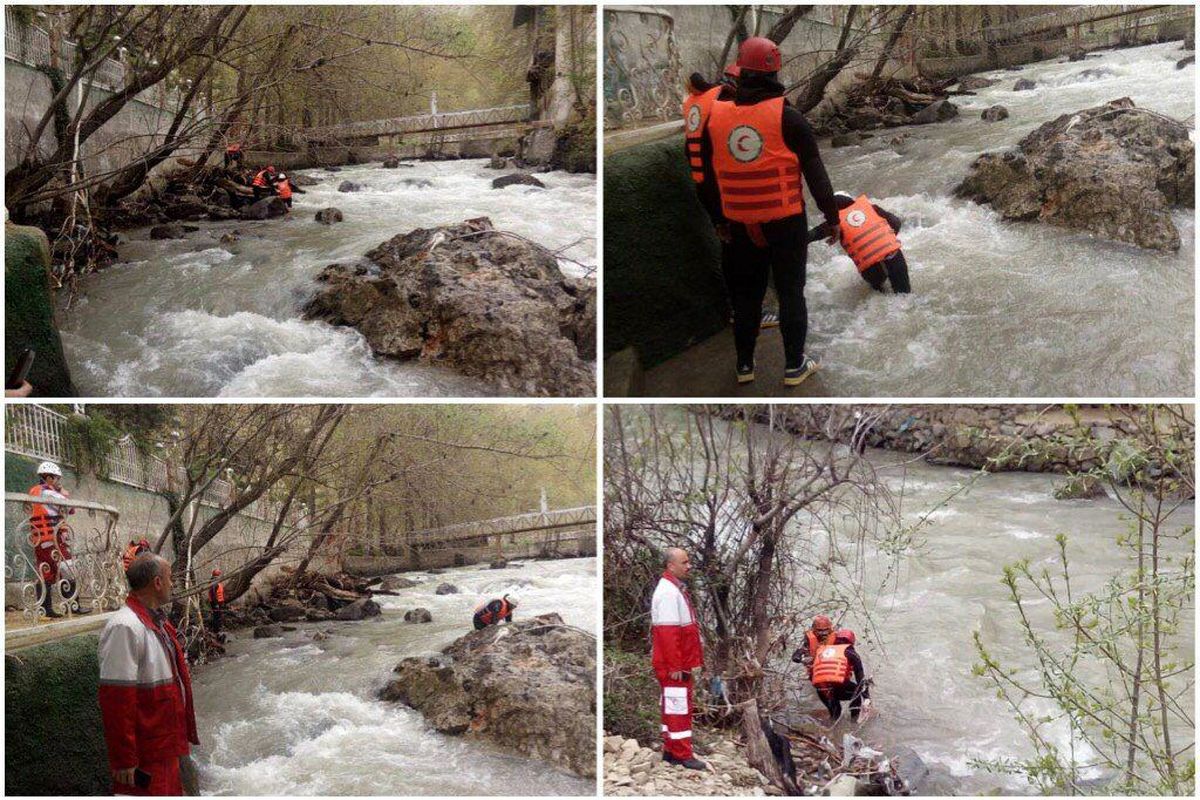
(134, 549)
(493, 611)
(263, 183)
(48, 535)
(216, 599)
(834, 668)
(676, 651)
(763, 152)
(868, 235)
(145, 687)
(285, 188)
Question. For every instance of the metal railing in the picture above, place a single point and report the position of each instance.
(73, 564)
(39, 432)
(475, 118)
(518, 523)
(642, 69)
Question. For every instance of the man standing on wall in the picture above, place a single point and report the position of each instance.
(145, 687)
(676, 651)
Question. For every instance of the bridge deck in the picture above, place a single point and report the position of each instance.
(450, 121)
(557, 519)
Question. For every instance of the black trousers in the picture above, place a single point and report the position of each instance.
(748, 267)
(893, 268)
(834, 696)
(218, 617)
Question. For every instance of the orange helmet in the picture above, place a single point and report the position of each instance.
(733, 70)
(759, 54)
(822, 623)
(216, 573)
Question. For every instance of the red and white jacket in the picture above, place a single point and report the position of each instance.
(145, 689)
(675, 633)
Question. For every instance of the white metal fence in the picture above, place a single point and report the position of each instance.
(40, 432)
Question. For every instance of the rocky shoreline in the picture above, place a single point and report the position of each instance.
(631, 770)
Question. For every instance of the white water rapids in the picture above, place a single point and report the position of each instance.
(292, 716)
(195, 318)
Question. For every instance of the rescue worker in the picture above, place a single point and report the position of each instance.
(763, 152)
(133, 550)
(676, 650)
(48, 536)
(233, 155)
(491, 612)
(834, 668)
(145, 688)
(216, 599)
(262, 183)
(868, 235)
(284, 188)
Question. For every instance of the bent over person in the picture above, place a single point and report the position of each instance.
(145, 687)
(675, 652)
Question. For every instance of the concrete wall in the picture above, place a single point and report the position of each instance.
(132, 133)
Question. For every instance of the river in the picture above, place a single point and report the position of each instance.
(195, 318)
(922, 653)
(295, 717)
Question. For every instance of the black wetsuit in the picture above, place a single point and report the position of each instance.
(853, 690)
(747, 265)
(893, 268)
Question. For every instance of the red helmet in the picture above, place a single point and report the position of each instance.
(759, 54)
(822, 623)
(733, 71)
(216, 573)
(845, 634)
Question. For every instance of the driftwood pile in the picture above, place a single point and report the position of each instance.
(884, 103)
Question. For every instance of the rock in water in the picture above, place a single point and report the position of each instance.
(418, 615)
(1183, 62)
(394, 583)
(529, 687)
(266, 208)
(305, 180)
(1080, 487)
(268, 631)
(391, 163)
(1024, 85)
(499, 563)
(498, 162)
(1115, 170)
(446, 588)
(973, 83)
(937, 111)
(520, 178)
(846, 139)
(349, 186)
(171, 231)
(359, 609)
(328, 216)
(470, 298)
(994, 114)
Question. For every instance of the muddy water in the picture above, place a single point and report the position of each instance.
(296, 717)
(193, 317)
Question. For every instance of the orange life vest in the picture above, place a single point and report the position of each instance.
(41, 520)
(696, 110)
(866, 237)
(830, 666)
(759, 177)
(284, 189)
(260, 179)
(218, 594)
(487, 617)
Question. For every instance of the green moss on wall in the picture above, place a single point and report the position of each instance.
(29, 311)
(663, 289)
(54, 743)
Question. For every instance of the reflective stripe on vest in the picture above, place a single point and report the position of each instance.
(759, 177)
(284, 189)
(866, 237)
(260, 179)
(830, 665)
(696, 110)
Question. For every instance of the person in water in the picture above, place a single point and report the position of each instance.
(834, 668)
(284, 188)
(868, 235)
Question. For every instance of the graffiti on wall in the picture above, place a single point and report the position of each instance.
(642, 75)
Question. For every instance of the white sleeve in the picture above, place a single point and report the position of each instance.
(120, 653)
(664, 608)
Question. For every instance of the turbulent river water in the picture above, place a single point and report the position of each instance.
(295, 717)
(920, 652)
(192, 317)
(998, 308)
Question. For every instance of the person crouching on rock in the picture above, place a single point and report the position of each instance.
(868, 235)
(284, 188)
(491, 612)
(834, 668)
(675, 651)
(263, 182)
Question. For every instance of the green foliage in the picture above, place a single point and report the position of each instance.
(630, 696)
(90, 440)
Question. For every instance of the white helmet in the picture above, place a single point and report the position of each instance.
(513, 600)
(49, 468)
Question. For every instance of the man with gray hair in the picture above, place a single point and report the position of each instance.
(675, 652)
(145, 687)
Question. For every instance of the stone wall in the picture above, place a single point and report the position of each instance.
(970, 436)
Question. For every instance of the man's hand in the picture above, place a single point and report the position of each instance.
(723, 232)
(124, 776)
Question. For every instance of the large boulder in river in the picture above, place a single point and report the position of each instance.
(517, 179)
(304, 180)
(359, 609)
(349, 186)
(328, 216)
(266, 208)
(446, 588)
(972, 83)
(529, 687)
(994, 114)
(391, 163)
(1115, 170)
(417, 616)
(1024, 85)
(937, 111)
(394, 583)
(473, 299)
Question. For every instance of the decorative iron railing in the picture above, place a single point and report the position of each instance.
(643, 79)
(518, 523)
(72, 564)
